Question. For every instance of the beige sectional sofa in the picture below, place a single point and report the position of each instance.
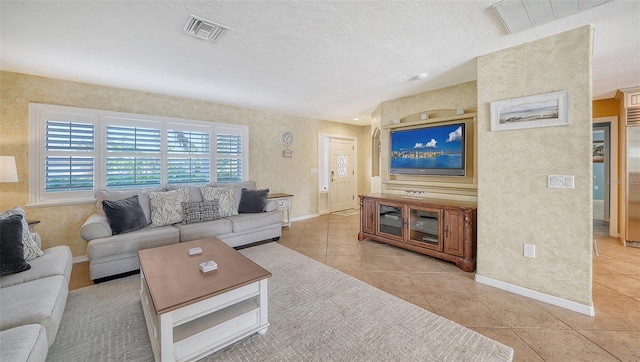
(32, 303)
(116, 254)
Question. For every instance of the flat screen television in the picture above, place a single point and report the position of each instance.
(436, 150)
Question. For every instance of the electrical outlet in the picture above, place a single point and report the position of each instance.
(529, 250)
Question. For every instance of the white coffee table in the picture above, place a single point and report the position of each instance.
(191, 314)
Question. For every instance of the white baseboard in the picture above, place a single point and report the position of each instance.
(559, 302)
(304, 217)
(80, 259)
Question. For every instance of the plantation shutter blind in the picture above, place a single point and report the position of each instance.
(133, 156)
(69, 156)
(189, 157)
(77, 152)
(229, 157)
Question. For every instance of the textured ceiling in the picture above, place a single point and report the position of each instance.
(325, 60)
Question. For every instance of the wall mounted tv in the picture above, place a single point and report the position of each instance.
(436, 150)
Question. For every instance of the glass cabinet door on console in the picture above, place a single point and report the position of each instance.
(424, 227)
(390, 220)
(444, 229)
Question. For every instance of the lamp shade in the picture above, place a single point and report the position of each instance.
(8, 170)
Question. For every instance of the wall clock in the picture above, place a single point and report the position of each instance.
(286, 138)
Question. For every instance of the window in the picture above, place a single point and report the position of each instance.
(189, 157)
(229, 157)
(80, 151)
(133, 156)
(69, 156)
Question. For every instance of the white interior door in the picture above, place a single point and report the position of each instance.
(342, 174)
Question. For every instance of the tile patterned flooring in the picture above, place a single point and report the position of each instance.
(537, 331)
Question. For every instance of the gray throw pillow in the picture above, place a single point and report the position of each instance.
(124, 215)
(197, 211)
(11, 248)
(253, 201)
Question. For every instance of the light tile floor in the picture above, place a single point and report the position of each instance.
(537, 331)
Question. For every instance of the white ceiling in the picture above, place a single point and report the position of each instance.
(327, 60)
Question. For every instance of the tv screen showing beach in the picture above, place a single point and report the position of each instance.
(435, 150)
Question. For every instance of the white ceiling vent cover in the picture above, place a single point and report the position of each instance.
(204, 29)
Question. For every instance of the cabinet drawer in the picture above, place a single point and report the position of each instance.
(283, 204)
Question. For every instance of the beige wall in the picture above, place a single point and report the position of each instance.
(514, 204)
(60, 225)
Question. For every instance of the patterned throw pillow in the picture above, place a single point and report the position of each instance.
(166, 207)
(224, 195)
(197, 211)
(31, 249)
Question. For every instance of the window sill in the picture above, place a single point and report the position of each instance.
(60, 203)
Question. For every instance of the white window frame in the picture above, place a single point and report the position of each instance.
(39, 113)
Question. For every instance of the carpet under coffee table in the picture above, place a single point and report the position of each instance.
(316, 313)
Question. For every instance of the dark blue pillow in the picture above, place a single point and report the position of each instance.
(11, 247)
(253, 201)
(124, 215)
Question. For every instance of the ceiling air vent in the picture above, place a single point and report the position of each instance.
(519, 15)
(204, 29)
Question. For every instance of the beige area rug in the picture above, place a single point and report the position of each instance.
(349, 212)
(317, 313)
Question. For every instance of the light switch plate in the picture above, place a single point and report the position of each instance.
(529, 250)
(560, 181)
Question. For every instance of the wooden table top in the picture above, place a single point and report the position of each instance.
(175, 280)
(277, 195)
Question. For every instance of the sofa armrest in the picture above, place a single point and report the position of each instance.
(272, 205)
(96, 226)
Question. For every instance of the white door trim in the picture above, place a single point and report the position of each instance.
(324, 195)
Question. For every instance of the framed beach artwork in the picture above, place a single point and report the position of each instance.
(541, 110)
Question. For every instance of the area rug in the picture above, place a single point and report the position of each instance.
(349, 212)
(317, 313)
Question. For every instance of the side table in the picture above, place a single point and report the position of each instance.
(284, 203)
(32, 224)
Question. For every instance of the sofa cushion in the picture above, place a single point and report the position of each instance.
(247, 222)
(205, 229)
(225, 197)
(199, 211)
(124, 215)
(11, 247)
(31, 249)
(125, 245)
(55, 261)
(24, 343)
(253, 201)
(46, 300)
(166, 207)
(113, 195)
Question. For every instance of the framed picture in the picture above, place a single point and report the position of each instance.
(598, 151)
(541, 110)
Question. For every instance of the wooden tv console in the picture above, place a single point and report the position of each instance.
(444, 229)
